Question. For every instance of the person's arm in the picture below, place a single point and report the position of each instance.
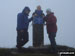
(45, 19)
(43, 15)
(33, 15)
(30, 19)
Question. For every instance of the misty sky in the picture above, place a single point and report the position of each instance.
(63, 9)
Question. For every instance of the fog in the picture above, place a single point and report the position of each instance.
(64, 11)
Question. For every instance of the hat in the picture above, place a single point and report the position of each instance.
(49, 10)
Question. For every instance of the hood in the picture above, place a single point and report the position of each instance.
(26, 9)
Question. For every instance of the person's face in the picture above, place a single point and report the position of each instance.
(39, 8)
(47, 12)
(27, 12)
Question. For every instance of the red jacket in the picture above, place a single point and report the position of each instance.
(51, 23)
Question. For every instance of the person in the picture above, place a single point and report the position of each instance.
(51, 25)
(38, 32)
(22, 27)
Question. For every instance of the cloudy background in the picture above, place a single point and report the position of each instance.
(63, 9)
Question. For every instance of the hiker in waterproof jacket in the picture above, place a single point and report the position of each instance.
(51, 28)
(38, 21)
(22, 27)
(37, 15)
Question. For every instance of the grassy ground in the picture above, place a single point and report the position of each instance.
(7, 52)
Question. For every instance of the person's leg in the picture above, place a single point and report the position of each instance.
(53, 42)
(19, 39)
(41, 35)
(22, 38)
(35, 35)
(25, 37)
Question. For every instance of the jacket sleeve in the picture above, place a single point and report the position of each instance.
(30, 19)
(45, 18)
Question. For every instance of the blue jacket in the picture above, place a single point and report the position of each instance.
(22, 21)
(39, 18)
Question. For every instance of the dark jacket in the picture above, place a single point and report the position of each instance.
(22, 21)
(51, 23)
